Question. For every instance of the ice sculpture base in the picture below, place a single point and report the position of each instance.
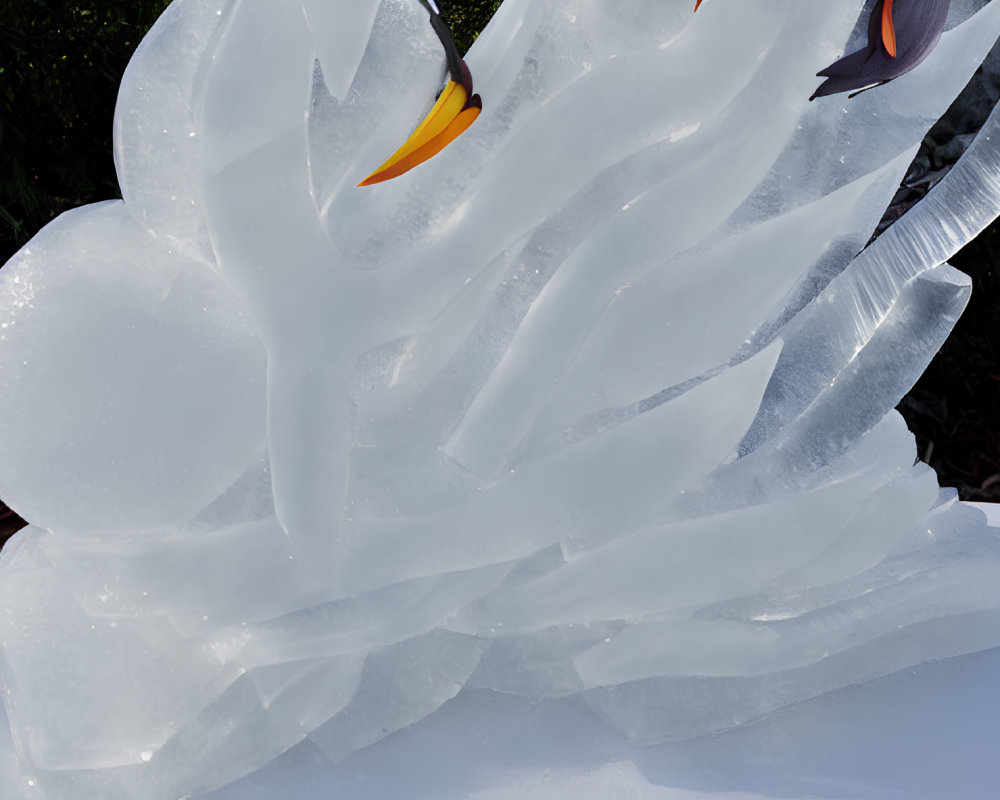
(922, 733)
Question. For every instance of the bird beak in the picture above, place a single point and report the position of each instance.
(888, 29)
(453, 112)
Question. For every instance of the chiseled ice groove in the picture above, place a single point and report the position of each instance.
(339, 37)
(916, 243)
(618, 347)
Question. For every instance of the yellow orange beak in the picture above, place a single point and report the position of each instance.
(453, 112)
(888, 29)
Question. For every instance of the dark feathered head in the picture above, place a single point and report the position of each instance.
(899, 38)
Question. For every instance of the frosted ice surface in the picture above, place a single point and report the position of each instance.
(340, 34)
(519, 474)
(132, 379)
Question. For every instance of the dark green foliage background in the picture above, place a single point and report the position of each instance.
(60, 67)
(467, 18)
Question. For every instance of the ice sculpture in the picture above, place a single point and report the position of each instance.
(591, 413)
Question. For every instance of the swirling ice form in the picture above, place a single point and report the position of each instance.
(593, 408)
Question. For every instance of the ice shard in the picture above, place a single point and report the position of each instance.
(517, 474)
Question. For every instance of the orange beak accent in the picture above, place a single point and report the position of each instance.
(696, 4)
(888, 29)
(451, 115)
